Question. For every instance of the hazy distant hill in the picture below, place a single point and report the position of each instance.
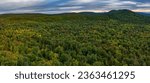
(119, 37)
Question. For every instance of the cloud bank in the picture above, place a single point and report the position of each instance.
(63, 6)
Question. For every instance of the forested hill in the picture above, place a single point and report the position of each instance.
(119, 37)
(128, 16)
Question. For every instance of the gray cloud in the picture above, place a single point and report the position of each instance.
(61, 6)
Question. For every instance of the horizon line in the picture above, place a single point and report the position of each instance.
(77, 11)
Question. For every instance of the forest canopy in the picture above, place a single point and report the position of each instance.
(119, 38)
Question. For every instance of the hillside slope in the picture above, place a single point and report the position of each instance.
(115, 38)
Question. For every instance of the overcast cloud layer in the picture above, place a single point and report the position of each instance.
(63, 6)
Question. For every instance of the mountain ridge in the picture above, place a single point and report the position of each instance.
(123, 15)
(87, 13)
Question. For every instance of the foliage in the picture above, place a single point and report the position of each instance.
(116, 38)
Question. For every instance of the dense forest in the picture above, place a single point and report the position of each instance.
(120, 38)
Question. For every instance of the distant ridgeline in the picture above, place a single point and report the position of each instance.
(118, 37)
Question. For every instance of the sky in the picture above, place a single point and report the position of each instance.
(65, 6)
